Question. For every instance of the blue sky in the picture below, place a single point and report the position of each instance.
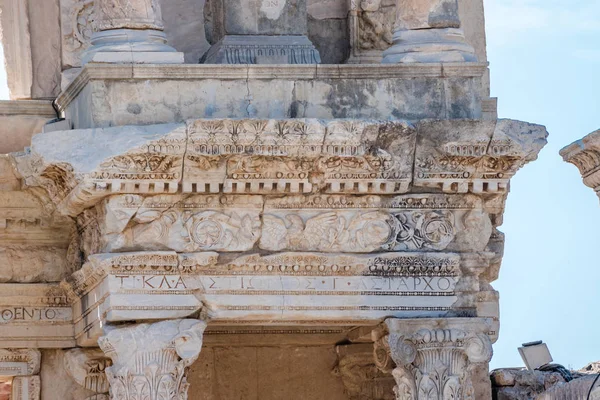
(545, 67)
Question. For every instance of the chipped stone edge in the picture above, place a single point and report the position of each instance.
(93, 72)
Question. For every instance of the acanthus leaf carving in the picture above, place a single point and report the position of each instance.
(151, 360)
(434, 358)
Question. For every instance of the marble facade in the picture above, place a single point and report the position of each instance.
(326, 208)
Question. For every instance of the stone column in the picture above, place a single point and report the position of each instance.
(150, 360)
(436, 358)
(130, 31)
(428, 31)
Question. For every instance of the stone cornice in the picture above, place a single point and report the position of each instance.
(93, 72)
(585, 155)
(42, 108)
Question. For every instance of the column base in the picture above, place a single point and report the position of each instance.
(258, 49)
(131, 46)
(429, 46)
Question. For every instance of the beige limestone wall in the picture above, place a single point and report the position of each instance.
(20, 120)
(56, 382)
(266, 373)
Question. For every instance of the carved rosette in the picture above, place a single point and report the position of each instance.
(129, 14)
(150, 360)
(433, 358)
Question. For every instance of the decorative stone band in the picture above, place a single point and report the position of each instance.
(284, 288)
(150, 360)
(19, 362)
(434, 358)
(585, 155)
(22, 366)
(36, 316)
(256, 156)
(262, 49)
(327, 223)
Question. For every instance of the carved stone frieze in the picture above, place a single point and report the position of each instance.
(134, 159)
(256, 156)
(478, 157)
(434, 359)
(585, 155)
(299, 156)
(334, 223)
(150, 360)
(183, 223)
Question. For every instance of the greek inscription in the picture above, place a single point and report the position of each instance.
(13, 314)
(151, 282)
(342, 284)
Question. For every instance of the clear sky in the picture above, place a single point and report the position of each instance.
(545, 64)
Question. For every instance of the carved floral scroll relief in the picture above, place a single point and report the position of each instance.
(181, 223)
(370, 223)
(327, 223)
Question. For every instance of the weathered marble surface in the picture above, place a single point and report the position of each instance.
(20, 120)
(105, 95)
(35, 316)
(150, 360)
(443, 359)
(585, 155)
(289, 156)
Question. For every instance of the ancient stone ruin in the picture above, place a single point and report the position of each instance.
(274, 199)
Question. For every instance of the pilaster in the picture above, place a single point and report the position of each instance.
(150, 360)
(435, 358)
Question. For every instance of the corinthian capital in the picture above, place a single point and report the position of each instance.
(150, 360)
(434, 358)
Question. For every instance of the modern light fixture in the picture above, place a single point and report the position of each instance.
(535, 354)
